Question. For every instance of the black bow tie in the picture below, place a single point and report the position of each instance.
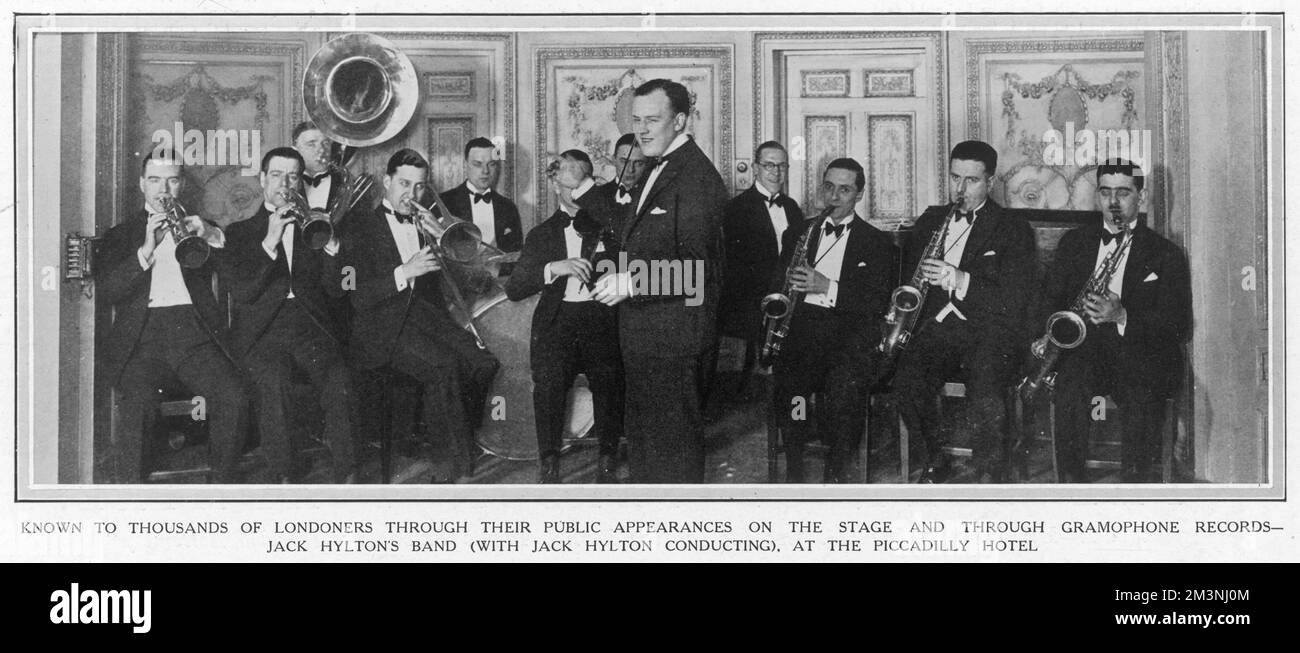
(1107, 237)
(315, 181)
(622, 196)
(837, 229)
(774, 200)
(968, 216)
(656, 161)
(486, 198)
(404, 218)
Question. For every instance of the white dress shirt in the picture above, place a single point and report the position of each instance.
(654, 174)
(1117, 281)
(318, 196)
(830, 260)
(408, 243)
(483, 215)
(286, 239)
(166, 285)
(574, 290)
(776, 214)
(954, 247)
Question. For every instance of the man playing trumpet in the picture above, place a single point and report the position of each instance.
(281, 287)
(168, 328)
(1135, 330)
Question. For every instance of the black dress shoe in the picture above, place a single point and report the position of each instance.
(607, 469)
(549, 471)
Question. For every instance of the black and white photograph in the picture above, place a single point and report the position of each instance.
(1002, 265)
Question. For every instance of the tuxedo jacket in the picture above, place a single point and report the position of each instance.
(752, 258)
(259, 285)
(336, 183)
(379, 309)
(680, 219)
(1000, 257)
(603, 199)
(1156, 294)
(121, 282)
(544, 244)
(867, 276)
(509, 234)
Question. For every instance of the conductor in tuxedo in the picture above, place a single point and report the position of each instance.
(846, 280)
(1136, 330)
(478, 200)
(754, 223)
(283, 320)
(400, 317)
(972, 325)
(571, 332)
(169, 331)
(629, 164)
(673, 232)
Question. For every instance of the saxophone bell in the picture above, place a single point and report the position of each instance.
(775, 306)
(1066, 329)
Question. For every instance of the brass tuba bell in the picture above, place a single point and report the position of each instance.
(360, 89)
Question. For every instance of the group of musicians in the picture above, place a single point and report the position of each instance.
(276, 304)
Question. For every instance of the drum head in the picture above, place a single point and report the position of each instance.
(509, 430)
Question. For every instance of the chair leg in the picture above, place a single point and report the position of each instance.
(747, 368)
(1051, 437)
(904, 451)
(1167, 442)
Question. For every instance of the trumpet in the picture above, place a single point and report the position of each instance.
(192, 250)
(906, 302)
(1068, 329)
(314, 226)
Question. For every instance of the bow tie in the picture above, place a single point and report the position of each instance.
(968, 216)
(486, 198)
(774, 200)
(622, 196)
(656, 161)
(315, 181)
(837, 229)
(403, 218)
(1107, 237)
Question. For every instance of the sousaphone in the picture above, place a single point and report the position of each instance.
(360, 89)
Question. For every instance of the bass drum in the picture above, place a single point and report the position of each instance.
(508, 430)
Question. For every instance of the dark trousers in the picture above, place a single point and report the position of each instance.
(1083, 376)
(665, 430)
(456, 375)
(294, 341)
(940, 352)
(176, 353)
(823, 354)
(582, 339)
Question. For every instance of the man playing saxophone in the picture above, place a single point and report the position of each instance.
(1134, 330)
(841, 286)
(972, 324)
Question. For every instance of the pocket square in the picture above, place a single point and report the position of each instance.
(657, 211)
(1151, 277)
(862, 264)
(506, 231)
(991, 252)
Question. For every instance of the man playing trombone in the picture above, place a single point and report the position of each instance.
(1133, 331)
(400, 317)
(168, 329)
(284, 268)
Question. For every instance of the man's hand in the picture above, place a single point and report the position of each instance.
(420, 264)
(1104, 308)
(573, 267)
(613, 288)
(807, 280)
(275, 224)
(153, 233)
